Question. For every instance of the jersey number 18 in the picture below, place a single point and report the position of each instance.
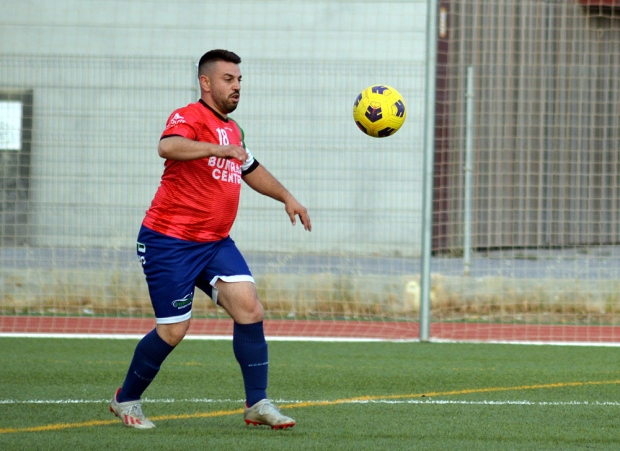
(223, 137)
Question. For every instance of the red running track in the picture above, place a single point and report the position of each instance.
(478, 332)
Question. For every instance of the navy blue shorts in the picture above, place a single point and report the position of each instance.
(174, 268)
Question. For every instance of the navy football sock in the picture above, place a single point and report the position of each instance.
(147, 359)
(250, 350)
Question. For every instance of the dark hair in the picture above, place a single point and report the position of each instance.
(213, 56)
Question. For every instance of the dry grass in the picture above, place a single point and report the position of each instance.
(329, 296)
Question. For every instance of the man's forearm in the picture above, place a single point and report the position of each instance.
(179, 148)
(263, 182)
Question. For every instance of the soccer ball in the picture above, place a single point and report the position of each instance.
(379, 111)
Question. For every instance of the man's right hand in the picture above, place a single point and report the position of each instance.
(232, 151)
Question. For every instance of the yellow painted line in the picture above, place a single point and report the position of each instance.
(56, 427)
(61, 426)
(449, 393)
(221, 413)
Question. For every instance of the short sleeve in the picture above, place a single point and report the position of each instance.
(180, 123)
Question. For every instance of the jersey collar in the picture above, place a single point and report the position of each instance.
(225, 119)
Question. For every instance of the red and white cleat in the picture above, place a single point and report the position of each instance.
(264, 412)
(130, 413)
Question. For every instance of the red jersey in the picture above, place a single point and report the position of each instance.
(197, 200)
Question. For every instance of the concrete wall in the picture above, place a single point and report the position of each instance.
(105, 76)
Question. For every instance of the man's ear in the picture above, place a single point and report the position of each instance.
(205, 83)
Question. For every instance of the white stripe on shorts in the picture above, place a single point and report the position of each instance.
(175, 319)
(241, 278)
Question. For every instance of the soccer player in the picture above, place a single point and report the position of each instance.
(184, 241)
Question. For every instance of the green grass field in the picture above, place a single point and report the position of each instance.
(345, 396)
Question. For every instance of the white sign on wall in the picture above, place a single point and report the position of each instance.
(10, 125)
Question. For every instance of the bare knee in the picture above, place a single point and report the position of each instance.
(247, 312)
(240, 301)
(173, 333)
(254, 313)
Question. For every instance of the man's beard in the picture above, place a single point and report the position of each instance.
(228, 106)
(231, 107)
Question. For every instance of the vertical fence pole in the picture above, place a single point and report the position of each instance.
(469, 167)
(429, 161)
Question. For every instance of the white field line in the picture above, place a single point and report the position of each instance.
(312, 339)
(194, 337)
(353, 401)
